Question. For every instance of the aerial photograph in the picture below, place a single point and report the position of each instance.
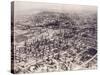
(53, 37)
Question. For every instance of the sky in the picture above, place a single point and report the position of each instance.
(21, 7)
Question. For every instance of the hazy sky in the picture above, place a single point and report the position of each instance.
(31, 7)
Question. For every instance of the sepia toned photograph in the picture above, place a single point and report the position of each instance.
(52, 37)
